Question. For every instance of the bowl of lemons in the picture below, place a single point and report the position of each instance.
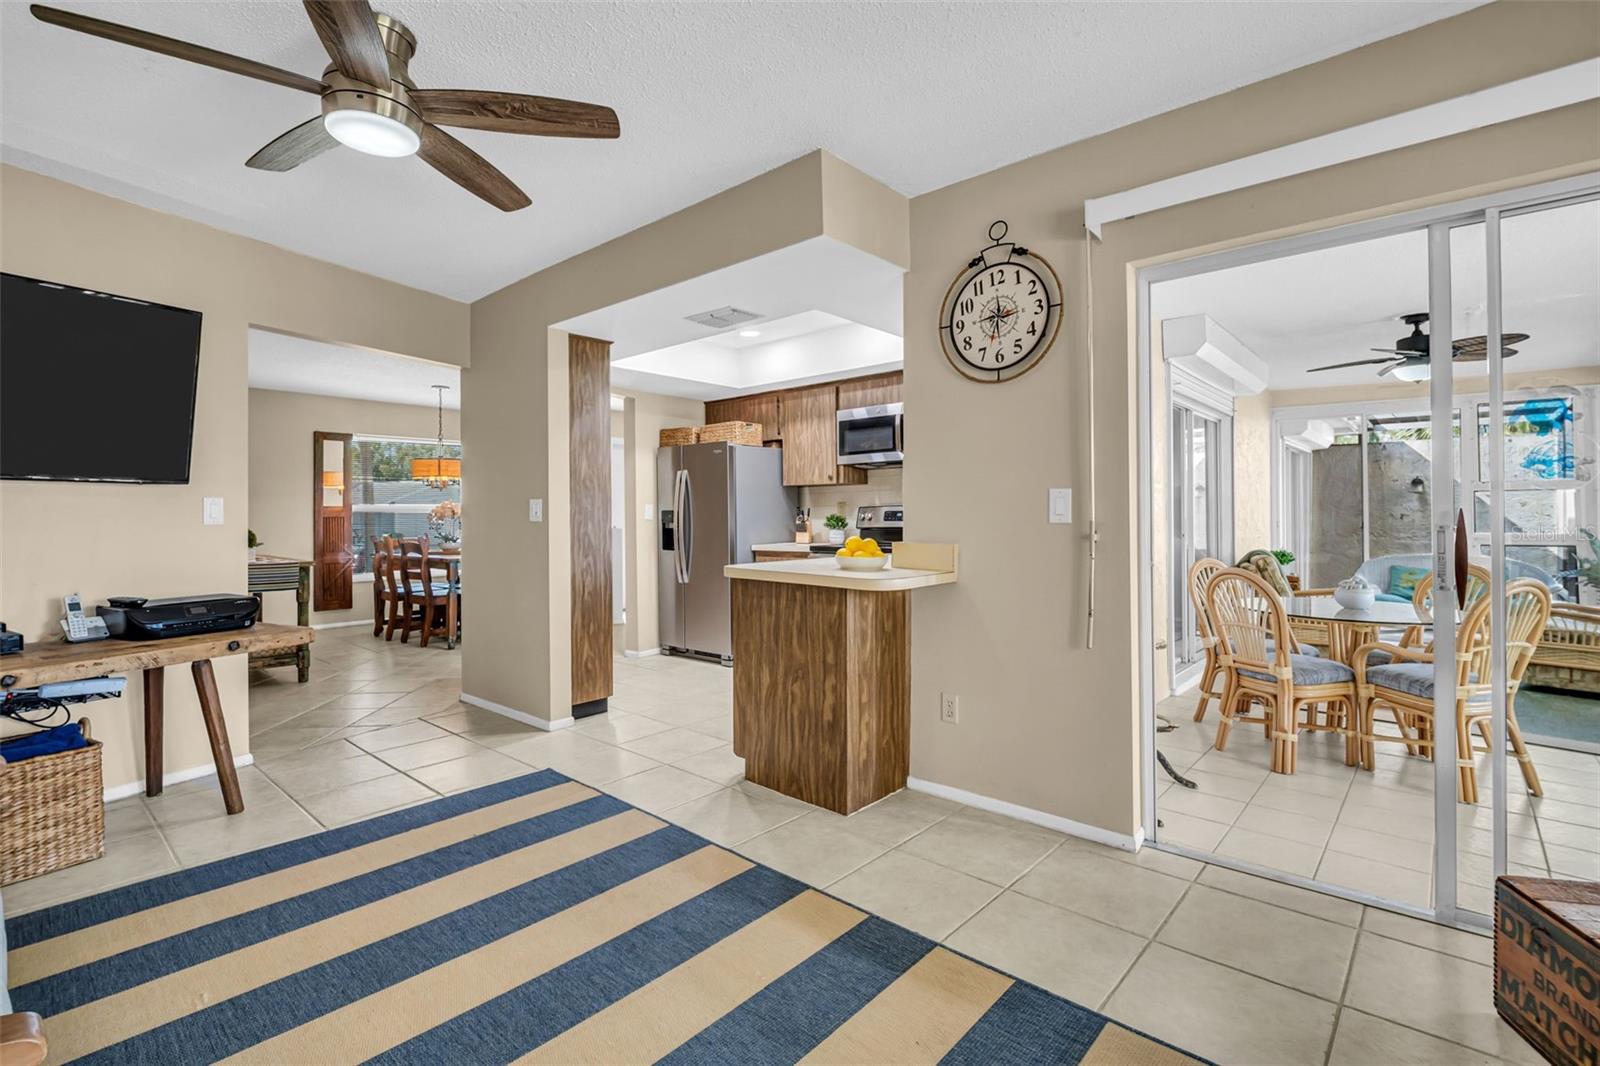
(859, 554)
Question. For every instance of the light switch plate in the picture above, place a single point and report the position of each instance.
(211, 511)
(649, 512)
(1060, 506)
(536, 510)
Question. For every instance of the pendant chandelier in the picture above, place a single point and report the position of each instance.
(437, 472)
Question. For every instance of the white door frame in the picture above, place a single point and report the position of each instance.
(1445, 830)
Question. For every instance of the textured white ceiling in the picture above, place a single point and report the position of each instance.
(709, 95)
(1334, 304)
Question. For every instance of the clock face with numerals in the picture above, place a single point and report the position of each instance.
(1000, 318)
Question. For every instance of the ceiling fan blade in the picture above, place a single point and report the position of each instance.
(170, 46)
(1480, 345)
(1391, 351)
(349, 32)
(1341, 366)
(469, 170)
(288, 150)
(543, 116)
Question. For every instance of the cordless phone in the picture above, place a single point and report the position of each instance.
(80, 627)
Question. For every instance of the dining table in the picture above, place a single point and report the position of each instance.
(1348, 627)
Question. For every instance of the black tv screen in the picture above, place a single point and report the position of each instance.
(94, 386)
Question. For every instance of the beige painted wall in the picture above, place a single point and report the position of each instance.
(515, 396)
(644, 417)
(105, 540)
(1252, 473)
(281, 424)
(1045, 722)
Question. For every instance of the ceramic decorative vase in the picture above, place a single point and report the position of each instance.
(835, 536)
(1356, 594)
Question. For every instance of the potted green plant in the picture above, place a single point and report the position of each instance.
(1285, 559)
(252, 542)
(836, 524)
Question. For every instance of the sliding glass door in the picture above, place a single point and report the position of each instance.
(1455, 469)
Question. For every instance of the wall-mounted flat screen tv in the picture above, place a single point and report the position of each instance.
(94, 386)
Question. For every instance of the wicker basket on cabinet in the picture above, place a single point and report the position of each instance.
(731, 433)
(55, 814)
(673, 436)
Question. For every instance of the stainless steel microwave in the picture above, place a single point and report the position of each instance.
(872, 436)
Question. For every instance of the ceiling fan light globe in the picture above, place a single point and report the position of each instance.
(1412, 372)
(372, 133)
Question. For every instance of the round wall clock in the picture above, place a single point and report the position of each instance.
(1001, 313)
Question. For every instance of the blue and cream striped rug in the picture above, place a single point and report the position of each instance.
(535, 920)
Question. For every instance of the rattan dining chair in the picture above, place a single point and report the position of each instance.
(1200, 574)
(1254, 645)
(1405, 685)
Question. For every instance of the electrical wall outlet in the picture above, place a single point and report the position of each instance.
(536, 510)
(949, 707)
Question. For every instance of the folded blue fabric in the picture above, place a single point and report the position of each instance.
(45, 742)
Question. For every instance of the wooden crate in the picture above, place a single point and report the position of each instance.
(1547, 965)
(731, 433)
(675, 435)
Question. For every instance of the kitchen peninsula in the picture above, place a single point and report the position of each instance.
(821, 673)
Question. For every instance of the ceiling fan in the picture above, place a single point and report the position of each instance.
(1408, 359)
(370, 103)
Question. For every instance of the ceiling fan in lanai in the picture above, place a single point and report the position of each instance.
(1408, 359)
(370, 103)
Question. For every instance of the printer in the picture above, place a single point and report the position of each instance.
(136, 618)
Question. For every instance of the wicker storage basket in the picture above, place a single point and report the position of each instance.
(54, 812)
(731, 433)
(675, 435)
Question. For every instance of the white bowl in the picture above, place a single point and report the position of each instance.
(870, 562)
(1355, 599)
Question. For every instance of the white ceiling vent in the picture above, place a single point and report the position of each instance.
(723, 317)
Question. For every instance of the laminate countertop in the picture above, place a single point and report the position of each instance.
(825, 573)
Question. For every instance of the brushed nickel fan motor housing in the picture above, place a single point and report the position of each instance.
(339, 93)
(393, 101)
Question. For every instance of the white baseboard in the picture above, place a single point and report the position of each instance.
(516, 715)
(1027, 814)
(629, 653)
(136, 788)
(343, 625)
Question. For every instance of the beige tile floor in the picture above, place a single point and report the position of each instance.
(1370, 831)
(1233, 967)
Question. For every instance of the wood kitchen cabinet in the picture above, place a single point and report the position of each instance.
(810, 439)
(871, 391)
(764, 409)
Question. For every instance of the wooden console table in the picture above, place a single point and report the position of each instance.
(280, 573)
(59, 661)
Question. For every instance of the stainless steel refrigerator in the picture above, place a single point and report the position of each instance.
(715, 501)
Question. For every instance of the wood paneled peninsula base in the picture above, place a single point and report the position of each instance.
(822, 675)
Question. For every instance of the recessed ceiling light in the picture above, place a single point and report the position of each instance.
(749, 333)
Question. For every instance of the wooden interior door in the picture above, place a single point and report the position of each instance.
(589, 395)
(333, 561)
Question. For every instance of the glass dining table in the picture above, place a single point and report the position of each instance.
(1349, 628)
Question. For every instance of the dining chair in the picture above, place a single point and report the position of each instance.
(383, 595)
(390, 569)
(1405, 685)
(1478, 582)
(432, 600)
(1200, 574)
(1255, 647)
